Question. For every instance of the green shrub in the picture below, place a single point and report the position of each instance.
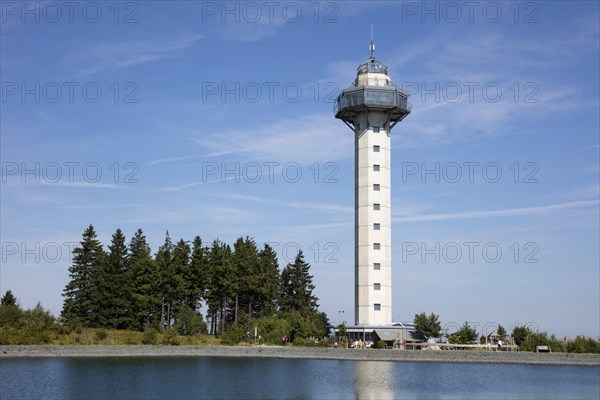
(10, 315)
(582, 344)
(380, 344)
(150, 336)
(189, 323)
(100, 334)
(273, 328)
(233, 335)
(170, 338)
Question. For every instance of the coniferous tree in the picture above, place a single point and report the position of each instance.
(166, 271)
(8, 299)
(10, 311)
(430, 326)
(220, 286)
(298, 304)
(145, 286)
(81, 296)
(182, 284)
(113, 283)
(269, 281)
(297, 287)
(245, 279)
(199, 268)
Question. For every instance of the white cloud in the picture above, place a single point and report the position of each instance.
(112, 55)
(307, 139)
(512, 212)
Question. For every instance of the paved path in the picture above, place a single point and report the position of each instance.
(305, 353)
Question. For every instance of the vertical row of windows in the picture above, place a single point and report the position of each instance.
(376, 226)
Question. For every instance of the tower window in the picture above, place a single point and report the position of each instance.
(376, 129)
(376, 167)
(376, 246)
(377, 266)
(377, 307)
(377, 187)
(377, 286)
(376, 226)
(376, 207)
(376, 149)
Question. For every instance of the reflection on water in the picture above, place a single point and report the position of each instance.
(374, 380)
(262, 378)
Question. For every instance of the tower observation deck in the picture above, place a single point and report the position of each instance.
(371, 107)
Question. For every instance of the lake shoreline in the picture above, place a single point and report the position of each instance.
(450, 356)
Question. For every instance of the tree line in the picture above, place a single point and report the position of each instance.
(523, 336)
(125, 287)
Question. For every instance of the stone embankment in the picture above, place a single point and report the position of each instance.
(448, 356)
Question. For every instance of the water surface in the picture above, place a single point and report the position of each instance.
(263, 378)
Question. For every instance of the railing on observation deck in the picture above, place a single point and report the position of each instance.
(372, 96)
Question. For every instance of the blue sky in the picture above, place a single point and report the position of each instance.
(216, 120)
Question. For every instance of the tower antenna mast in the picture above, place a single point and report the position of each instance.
(372, 46)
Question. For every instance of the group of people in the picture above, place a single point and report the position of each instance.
(359, 344)
(400, 344)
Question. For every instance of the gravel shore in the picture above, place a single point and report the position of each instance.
(451, 356)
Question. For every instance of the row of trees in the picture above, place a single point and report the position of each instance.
(527, 340)
(127, 288)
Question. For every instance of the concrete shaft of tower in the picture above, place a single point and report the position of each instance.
(371, 107)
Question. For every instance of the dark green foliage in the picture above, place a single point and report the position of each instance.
(10, 315)
(81, 293)
(501, 332)
(168, 281)
(582, 344)
(520, 334)
(33, 326)
(145, 284)
(465, 335)
(324, 324)
(297, 287)
(380, 344)
(114, 285)
(188, 322)
(430, 326)
(126, 288)
(268, 280)
(8, 299)
(233, 335)
(273, 328)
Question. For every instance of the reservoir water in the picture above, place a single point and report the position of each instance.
(263, 378)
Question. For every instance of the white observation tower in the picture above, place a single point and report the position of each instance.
(371, 107)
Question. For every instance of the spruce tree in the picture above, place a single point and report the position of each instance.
(246, 281)
(166, 271)
(81, 295)
(114, 286)
(146, 283)
(269, 281)
(182, 282)
(297, 287)
(221, 283)
(8, 299)
(199, 268)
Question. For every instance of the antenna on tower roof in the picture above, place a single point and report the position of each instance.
(372, 46)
